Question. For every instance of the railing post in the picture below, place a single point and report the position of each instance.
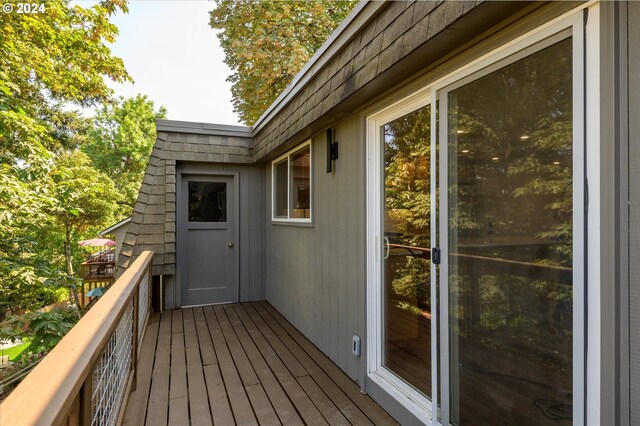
(86, 400)
(134, 337)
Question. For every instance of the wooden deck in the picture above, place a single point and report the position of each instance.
(240, 364)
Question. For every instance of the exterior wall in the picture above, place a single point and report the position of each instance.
(153, 222)
(419, 31)
(315, 274)
(634, 205)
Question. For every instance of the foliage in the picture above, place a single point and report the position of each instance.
(120, 142)
(47, 60)
(266, 43)
(44, 328)
(82, 197)
(407, 151)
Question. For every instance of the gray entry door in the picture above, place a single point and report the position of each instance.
(206, 240)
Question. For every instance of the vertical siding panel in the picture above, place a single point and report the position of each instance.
(634, 214)
(314, 274)
(244, 234)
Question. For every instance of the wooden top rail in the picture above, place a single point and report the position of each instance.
(46, 395)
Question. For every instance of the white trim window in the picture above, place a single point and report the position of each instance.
(291, 185)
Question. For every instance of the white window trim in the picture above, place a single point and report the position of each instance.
(586, 373)
(287, 157)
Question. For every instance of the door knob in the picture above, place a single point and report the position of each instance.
(230, 245)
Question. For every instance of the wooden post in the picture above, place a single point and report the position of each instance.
(82, 295)
(73, 419)
(134, 337)
(86, 399)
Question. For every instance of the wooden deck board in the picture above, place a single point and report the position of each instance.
(157, 408)
(207, 352)
(373, 411)
(137, 403)
(240, 364)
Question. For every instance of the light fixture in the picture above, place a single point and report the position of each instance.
(524, 137)
(332, 150)
(556, 163)
(460, 132)
(465, 151)
(495, 158)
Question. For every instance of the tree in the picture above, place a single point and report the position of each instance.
(47, 60)
(120, 142)
(266, 43)
(83, 197)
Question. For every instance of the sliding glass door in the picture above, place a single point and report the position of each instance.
(510, 238)
(483, 323)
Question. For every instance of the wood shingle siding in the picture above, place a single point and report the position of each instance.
(153, 222)
(418, 32)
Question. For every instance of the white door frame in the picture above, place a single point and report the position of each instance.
(394, 385)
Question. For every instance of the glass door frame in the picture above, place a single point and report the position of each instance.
(584, 36)
(404, 393)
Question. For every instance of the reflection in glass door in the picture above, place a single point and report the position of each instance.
(406, 267)
(510, 236)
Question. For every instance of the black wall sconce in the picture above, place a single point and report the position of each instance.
(332, 150)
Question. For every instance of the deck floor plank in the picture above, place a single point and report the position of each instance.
(285, 410)
(198, 399)
(365, 403)
(207, 352)
(158, 407)
(178, 393)
(240, 364)
(304, 405)
(247, 374)
(218, 398)
(240, 405)
(137, 404)
(261, 406)
(337, 396)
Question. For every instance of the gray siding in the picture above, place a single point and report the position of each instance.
(634, 214)
(316, 275)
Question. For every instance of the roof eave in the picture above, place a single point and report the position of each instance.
(349, 28)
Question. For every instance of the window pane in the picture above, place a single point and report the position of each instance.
(280, 187)
(407, 282)
(300, 181)
(207, 202)
(510, 242)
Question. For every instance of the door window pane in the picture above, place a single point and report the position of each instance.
(207, 201)
(300, 179)
(510, 241)
(407, 282)
(280, 187)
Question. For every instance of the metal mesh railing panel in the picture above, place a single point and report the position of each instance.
(143, 306)
(112, 371)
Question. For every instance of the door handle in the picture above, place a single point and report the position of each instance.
(387, 246)
(230, 245)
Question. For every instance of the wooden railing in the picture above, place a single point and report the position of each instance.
(85, 379)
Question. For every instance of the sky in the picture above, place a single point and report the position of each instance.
(175, 59)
